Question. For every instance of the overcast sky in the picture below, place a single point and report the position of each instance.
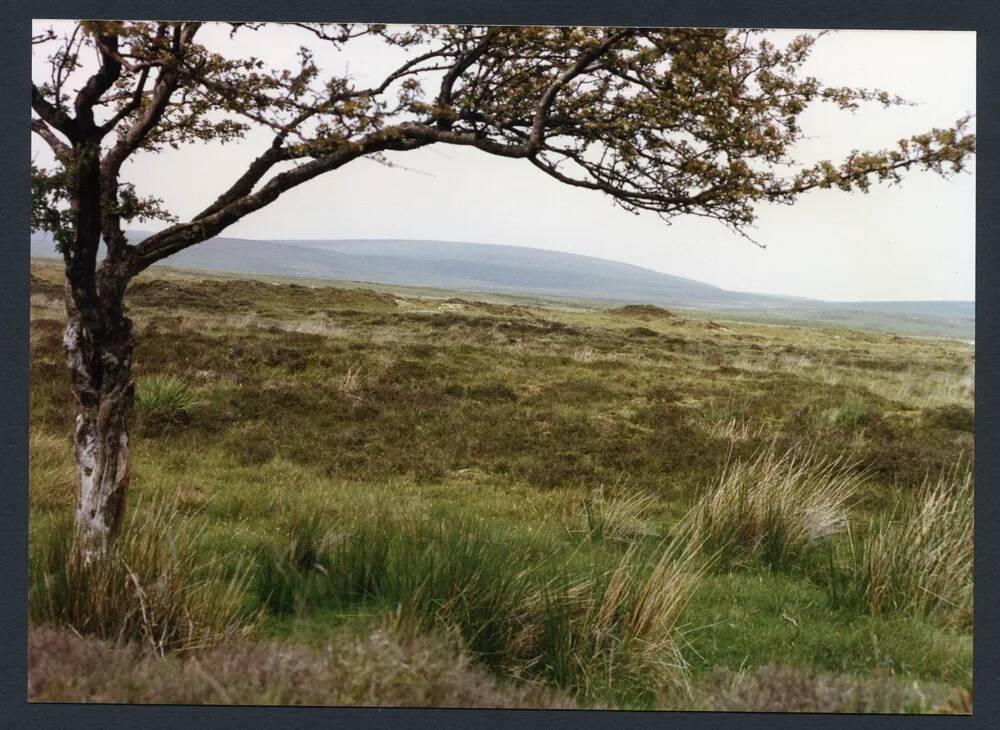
(916, 241)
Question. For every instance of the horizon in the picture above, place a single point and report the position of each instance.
(913, 242)
(292, 241)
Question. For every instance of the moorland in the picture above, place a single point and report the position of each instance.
(375, 495)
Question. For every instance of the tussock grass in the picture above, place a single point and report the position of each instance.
(150, 587)
(165, 397)
(476, 433)
(774, 507)
(352, 381)
(617, 633)
(516, 606)
(918, 558)
(617, 514)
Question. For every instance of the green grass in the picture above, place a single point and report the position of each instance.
(520, 604)
(509, 475)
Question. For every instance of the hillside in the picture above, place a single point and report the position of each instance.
(473, 267)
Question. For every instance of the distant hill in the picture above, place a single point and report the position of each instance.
(477, 267)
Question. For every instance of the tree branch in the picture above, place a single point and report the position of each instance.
(246, 182)
(463, 64)
(102, 80)
(537, 136)
(54, 116)
(222, 214)
(62, 151)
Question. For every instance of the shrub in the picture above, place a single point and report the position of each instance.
(773, 688)
(386, 668)
(918, 559)
(164, 398)
(774, 507)
(952, 416)
(148, 587)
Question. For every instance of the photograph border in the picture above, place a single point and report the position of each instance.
(980, 16)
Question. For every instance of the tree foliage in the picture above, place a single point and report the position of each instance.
(676, 121)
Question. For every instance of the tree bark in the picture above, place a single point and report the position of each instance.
(98, 344)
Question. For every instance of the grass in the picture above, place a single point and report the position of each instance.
(162, 401)
(918, 558)
(520, 607)
(774, 507)
(517, 482)
(618, 514)
(149, 588)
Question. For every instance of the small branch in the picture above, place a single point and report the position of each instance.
(537, 136)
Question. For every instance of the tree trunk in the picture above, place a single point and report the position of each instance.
(98, 344)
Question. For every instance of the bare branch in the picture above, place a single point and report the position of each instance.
(62, 151)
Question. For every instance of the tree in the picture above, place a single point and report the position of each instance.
(675, 121)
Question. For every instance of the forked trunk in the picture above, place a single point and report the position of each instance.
(98, 344)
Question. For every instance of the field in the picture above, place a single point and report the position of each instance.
(347, 495)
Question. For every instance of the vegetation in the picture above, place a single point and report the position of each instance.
(378, 499)
(149, 588)
(918, 558)
(671, 121)
(775, 507)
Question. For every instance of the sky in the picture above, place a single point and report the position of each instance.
(908, 242)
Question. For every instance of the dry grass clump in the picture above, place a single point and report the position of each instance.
(736, 429)
(774, 688)
(352, 380)
(149, 587)
(774, 507)
(918, 559)
(617, 514)
(386, 668)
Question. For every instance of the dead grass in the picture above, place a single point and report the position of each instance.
(736, 429)
(513, 417)
(51, 473)
(618, 514)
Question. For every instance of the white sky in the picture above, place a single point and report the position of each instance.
(916, 241)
